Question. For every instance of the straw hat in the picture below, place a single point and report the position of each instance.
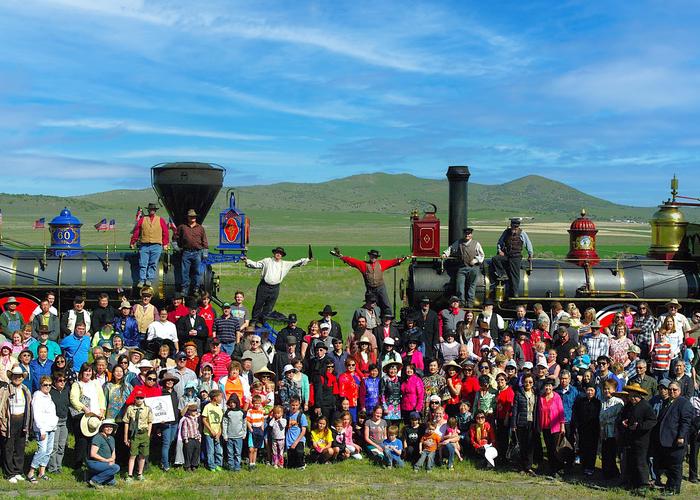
(388, 365)
(674, 302)
(635, 388)
(90, 426)
(265, 371)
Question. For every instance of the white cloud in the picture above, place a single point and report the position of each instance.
(281, 159)
(141, 128)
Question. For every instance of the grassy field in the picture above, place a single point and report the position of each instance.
(350, 479)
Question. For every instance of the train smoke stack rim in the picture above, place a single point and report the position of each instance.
(184, 185)
(458, 177)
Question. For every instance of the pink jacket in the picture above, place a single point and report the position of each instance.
(556, 414)
(412, 394)
(416, 359)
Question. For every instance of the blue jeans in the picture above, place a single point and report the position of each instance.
(234, 447)
(392, 460)
(169, 433)
(228, 348)
(101, 472)
(466, 276)
(43, 451)
(425, 455)
(190, 259)
(149, 255)
(215, 456)
(449, 450)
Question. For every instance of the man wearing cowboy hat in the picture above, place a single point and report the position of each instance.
(11, 320)
(126, 326)
(510, 255)
(15, 419)
(370, 311)
(682, 324)
(151, 234)
(634, 425)
(327, 314)
(53, 348)
(292, 329)
(495, 320)
(450, 316)
(274, 269)
(192, 327)
(387, 330)
(469, 255)
(192, 240)
(373, 273)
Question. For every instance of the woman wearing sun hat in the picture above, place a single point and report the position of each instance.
(15, 418)
(102, 466)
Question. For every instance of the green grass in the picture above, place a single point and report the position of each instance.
(350, 479)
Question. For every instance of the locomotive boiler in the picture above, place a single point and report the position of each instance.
(669, 270)
(66, 268)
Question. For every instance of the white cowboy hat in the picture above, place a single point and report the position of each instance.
(90, 426)
(490, 454)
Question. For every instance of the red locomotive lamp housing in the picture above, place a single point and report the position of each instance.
(582, 234)
(425, 234)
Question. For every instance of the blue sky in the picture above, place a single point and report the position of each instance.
(602, 96)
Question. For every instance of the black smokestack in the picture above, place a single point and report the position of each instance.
(458, 178)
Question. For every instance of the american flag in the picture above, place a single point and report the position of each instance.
(112, 224)
(39, 223)
(102, 225)
(139, 214)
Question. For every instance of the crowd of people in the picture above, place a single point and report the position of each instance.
(544, 392)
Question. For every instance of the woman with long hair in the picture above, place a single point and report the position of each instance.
(86, 398)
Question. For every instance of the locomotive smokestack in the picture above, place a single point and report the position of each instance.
(458, 178)
(184, 185)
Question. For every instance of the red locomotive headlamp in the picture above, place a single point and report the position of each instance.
(582, 235)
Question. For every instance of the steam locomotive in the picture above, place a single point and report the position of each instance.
(669, 270)
(67, 269)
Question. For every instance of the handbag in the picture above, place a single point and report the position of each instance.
(513, 451)
(564, 450)
(85, 401)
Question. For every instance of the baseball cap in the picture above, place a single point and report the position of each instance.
(180, 355)
(527, 365)
(435, 399)
(511, 363)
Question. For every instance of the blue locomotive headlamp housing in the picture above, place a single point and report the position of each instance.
(65, 234)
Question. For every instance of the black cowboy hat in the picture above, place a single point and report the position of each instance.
(374, 253)
(152, 206)
(327, 309)
(279, 250)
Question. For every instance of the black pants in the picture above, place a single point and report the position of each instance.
(502, 441)
(82, 443)
(693, 449)
(191, 450)
(265, 299)
(382, 297)
(588, 446)
(608, 458)
(672, 459)
(636, 467)
(526, 441)
(295, 456)
(510, 267)
(550, 441)
(13, 447)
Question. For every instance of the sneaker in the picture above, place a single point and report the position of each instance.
(129, 479)
(148, 283)
(251, 467)
(451, 467)
(19, 477)
(139, 284)
(95, 485)
(165, 468)
(33, 479)
(303, 467)
(12, 480)
(113, 482)
(45, 477)
(139, 477)
(218, 468)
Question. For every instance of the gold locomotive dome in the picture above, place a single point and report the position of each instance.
(668, 226)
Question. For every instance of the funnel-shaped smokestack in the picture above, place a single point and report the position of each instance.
(458, 178)
(184, 185)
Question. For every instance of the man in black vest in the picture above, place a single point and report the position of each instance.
(469, 255)
(494, 320)
(373, 273)
(510, 255)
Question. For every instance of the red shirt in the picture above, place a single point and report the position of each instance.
(177, 313)
(470, 386)
(504, 403)
(208, 314)
(219, 362)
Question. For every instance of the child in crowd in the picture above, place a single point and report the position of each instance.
(138, 422)
(359, 429)
(393, 447)
(296, 435)
(277, 426)
(255, 420)
(288, 388)
(189, 395)
(339, 439)
(191, 436)
(540, 356)
(302, 380)
(369, 389)
(204, 398)
(412, 435)
(322, 450)
(346, 430)
(661, 355)
(233, 431)
(452, 435)
(212, 417)
(427, 447)
(582, 360)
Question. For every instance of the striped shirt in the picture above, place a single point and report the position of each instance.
(256, 418)
(596, 346)
(661, 356)
(226, 328)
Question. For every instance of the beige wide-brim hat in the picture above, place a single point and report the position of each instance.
(674, 302)
(90, 426)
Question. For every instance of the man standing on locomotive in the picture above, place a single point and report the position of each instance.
(469, 255)
(373, 273)
(510, 250)
(192, 240)
(151, 232)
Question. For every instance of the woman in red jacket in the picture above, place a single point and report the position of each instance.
(481, 435)
(349, 386)
(470, 383)
(504, 409)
